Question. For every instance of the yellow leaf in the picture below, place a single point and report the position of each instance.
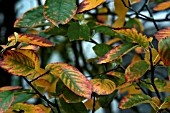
(155, 103)
(155, 56)
(121, 11)
(45, 109)
(131, 90)
(134, 1)
(102, 18)
(6, 88)
(136, 58)
(89, 4)
(162, 6)
(89, 104)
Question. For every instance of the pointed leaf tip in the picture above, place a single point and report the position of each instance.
(89, 4)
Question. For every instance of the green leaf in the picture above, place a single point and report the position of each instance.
(105, 30)
(164, 50)
(133, 35)
(102, 86)
(134, 23)
(105, 100)
(101, 49)
(22, 97)
(117, 52)
(67, 94)
(17, 63)
(73, 107)
(136, 70)
(60, 11)
(160, 84)
(53, 30)
(27, 108)
(78, 32)
(6, 99)
(72, 78)
(32, 18)
(133, 100)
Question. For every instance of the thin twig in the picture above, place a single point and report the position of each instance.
(141, 88)
(94, 103)
(152, 75)
(42, 96)
(154, 22)
(39, 76)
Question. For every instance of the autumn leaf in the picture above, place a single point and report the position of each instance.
(60, 11)
(162, 6)
(121, 11)
(7, 88)
(116, 53)
(32, 39)
(133, 100)
(163, 33)
(164, 50)
(88, 5)
(134, 1)
(136, 70)
(17, 63)
(155, 56)
(102, 86)
(27, 108)
(89, 104)
(133, 35)
(72, 78)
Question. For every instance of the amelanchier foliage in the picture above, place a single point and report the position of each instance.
(61, 85)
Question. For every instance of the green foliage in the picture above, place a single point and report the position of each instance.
(126, 61)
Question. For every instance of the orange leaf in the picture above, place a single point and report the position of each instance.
(163, 33)
(89, 4)
(162, 6)
(5, 88)
(32, 39)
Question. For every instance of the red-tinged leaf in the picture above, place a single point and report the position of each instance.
(72, 78)
(60, 11)
(32, 39)
(27, 108)
(133, 100)
(133, 35)
(102, 86)
(6, 99)
(136, 70)
(116, 53)
(88, 5)
(32, 18)
(162, 6)
(164, 50)
(135, 23)
(17, 63)
(7, 88)
(163, 33)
